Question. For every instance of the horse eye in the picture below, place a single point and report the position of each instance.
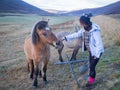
(44, 34)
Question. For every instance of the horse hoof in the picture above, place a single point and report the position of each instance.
(40, 76)
(35, 83)
(34, 87)
(61, 61)
(45, 82)
(72, 59)
(31, 76)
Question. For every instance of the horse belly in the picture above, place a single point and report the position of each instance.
(72, 43)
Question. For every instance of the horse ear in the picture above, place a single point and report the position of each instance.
(35, 36)
(48, 20)
(76, 28)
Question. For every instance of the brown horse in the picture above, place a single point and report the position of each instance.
(37, 50)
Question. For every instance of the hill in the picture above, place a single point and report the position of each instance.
(19, 6)
(106, 10)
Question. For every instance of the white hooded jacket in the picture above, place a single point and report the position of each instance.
(95, 42)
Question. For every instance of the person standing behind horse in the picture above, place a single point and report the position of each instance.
(92, 42)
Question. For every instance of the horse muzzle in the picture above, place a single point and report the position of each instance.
(56, 44)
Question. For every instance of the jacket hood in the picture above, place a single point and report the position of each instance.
(95, 27)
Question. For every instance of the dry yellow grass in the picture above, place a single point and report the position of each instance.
(110, 29)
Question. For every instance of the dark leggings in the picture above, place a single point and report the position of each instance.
(93, 63)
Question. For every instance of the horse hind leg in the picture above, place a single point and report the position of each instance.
(75, 51)
(40, 72)
(28, 67)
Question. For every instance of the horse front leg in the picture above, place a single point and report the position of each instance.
(60, 55)
(36, 69)
(44, 69)
(40, 74)
(75, 51)
(31, 68)
(60, 48)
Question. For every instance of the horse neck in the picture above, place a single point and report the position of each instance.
(41, 45)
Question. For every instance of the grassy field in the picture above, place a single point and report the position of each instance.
(13, 69)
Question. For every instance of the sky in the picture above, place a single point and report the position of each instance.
(69, 5)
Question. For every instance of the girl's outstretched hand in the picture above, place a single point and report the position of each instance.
(63, 38)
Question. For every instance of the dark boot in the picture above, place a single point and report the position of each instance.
(88, 84)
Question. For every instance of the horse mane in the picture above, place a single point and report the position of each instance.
(40, 25)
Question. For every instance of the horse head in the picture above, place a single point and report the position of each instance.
(43, 33)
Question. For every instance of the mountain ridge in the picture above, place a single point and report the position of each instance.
(19, 6)
(106, 10)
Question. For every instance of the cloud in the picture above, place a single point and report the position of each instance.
(69, 5)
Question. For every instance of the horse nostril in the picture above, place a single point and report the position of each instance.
(58, 43)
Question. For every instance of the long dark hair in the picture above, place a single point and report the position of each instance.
(40, 25)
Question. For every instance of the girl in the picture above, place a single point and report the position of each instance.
(92, 43)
